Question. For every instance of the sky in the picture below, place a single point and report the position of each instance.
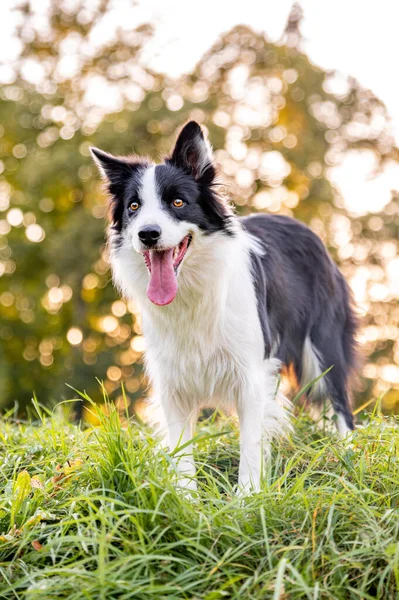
(352, 36)
(355, 37)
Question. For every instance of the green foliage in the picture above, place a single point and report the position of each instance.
(93, 514)
(277, 128)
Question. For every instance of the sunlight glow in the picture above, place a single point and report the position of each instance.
(74, 336)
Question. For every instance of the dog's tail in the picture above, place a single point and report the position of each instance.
(331, 349)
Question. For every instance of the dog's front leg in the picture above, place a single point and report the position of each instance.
(180, 425)
(250, 414)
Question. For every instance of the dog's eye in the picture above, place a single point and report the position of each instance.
(178, 203)
(134, 206)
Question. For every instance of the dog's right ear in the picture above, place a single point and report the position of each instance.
(113, 169)
(116, 172)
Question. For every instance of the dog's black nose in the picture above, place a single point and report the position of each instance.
(150, 234)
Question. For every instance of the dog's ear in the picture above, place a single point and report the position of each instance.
(113, 169)
(193, 153)
(116, 172)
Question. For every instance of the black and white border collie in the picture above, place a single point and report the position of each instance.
(226, 302)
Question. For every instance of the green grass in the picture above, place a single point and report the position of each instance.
(93, 514)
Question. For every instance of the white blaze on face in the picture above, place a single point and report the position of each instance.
(151, 208)
(152, 212)
(163, 260)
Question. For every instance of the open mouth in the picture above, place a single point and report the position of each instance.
(163, 265)
(178, 254)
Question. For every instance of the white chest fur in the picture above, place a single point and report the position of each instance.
(204, 347)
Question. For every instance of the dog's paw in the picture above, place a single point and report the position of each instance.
(186, 483)
(247, 488)
(187, 487)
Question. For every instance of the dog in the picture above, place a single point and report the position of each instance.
(226, 301)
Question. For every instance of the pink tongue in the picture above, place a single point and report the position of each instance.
(162, 287)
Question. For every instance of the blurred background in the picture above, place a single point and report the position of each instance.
(302, 108)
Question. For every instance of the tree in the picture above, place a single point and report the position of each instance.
(277, 122)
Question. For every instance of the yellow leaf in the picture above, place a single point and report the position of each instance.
(22, 489)
(11, 535)
(34, 520)
(71, 465)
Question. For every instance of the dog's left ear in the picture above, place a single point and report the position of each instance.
(193, 153)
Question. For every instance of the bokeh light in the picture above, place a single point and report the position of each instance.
(289, 138)
(74, 336)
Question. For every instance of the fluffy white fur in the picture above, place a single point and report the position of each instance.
(205, 348)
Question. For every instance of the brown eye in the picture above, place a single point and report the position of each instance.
(134, 206)
(178, 203)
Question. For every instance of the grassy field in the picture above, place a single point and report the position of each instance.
(93, 514)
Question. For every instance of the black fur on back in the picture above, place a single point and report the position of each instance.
(301, 294)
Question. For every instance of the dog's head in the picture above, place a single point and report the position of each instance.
(159, 210)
